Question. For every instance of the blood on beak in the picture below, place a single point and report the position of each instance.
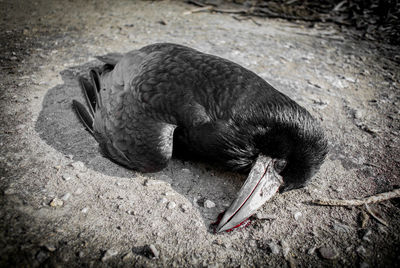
(261, 185)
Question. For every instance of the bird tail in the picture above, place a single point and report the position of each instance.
(91, 91)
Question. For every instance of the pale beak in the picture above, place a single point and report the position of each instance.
(261, 185)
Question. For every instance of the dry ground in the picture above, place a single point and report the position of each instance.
(110, 216)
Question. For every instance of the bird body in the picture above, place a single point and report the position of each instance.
(147, 103)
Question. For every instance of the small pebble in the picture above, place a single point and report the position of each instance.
(9, 191)
(184, 208)
(311, 251)
(41, 256)
(361, 250)
(274, 248)
(154, 251)
(163, 200)
(85, 210)
(209, 204)
(185, 170)
(130, 212)
(56, 202)
(66, 177)
(364, 265)
(78, 165)
(66, 197)
(328, 253)
(152, 182)
(50, 247)
(79, 191)
(286, 249)
(171, 205)
(297, 215)
(109, 254)
(366, 236)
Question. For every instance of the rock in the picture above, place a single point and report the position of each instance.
(78, 191)
(41, 256)
(154, 251)
(297, 215)
(328, 253)
(209, 204)
(358, 114)
(185, 170)
(285, 249)
(66, 177)
(350, 79)
(311, 251)
(130, 212)
(163, 200)
(151, 182)
(109, 254)
(85, 210)
(56, 202)
(171, 205)
(364, 265)
(366, 236)
(184, 208)
(9, 191)
(361, 250)
(66, 197)
(78, 165)
(275, 249)
(50, 247)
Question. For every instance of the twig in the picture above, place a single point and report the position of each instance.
(196, 10)
(376, 217)
(358, 202)
(243, 17)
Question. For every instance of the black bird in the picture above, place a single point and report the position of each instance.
(164, 97)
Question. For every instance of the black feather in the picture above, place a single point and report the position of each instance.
(95, 77)
(83, 115)
(89, 92)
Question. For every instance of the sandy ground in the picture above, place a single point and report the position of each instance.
(62, 203)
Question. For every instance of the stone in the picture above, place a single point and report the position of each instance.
(78, 165)
(66, 177)
(56, 202)
(154, 251)
(50, 247)
(275, 249)
(109, 254)
(171, 205)
(328, 253)
(297, 215)
(66, 197)
(85, 210)
(209, 204)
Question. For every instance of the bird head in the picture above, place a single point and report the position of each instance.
(287, 157)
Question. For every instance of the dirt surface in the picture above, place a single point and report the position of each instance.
(62, 203)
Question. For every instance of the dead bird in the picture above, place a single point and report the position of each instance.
(164, 98)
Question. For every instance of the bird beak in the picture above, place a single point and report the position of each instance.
(260, 186)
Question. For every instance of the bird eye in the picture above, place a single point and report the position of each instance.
(279, 165)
